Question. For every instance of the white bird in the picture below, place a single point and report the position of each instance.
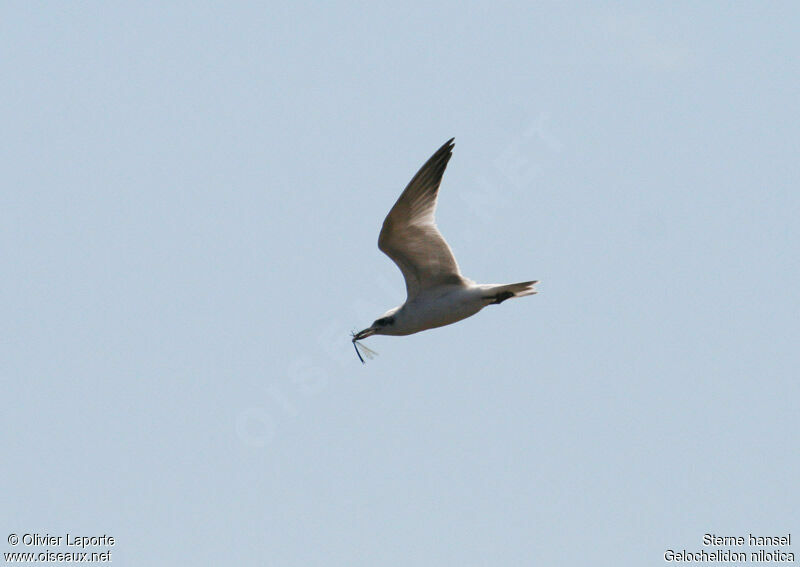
(437, 293)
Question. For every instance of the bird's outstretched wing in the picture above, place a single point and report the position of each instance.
(409, 235)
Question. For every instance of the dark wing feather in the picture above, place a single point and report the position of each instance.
(409, 235)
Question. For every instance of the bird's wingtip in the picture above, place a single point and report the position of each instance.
(447, 146)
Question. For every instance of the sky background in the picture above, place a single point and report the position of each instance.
(191, 201)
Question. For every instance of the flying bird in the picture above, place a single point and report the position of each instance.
(437, 293)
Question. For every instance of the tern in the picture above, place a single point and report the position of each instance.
(437, 293)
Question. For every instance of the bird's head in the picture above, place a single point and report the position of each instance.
(383, 325)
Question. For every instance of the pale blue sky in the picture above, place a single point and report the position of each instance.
(188, 227)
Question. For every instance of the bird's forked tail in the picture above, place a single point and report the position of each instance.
(499, 293)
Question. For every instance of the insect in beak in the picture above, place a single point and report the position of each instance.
(368, 352)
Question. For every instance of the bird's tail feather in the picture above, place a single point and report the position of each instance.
(499, 293)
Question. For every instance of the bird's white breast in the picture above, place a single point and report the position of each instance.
(438, 307)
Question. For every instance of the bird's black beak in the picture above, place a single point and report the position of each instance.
(364, 334)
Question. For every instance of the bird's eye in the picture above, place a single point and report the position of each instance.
(383, 321)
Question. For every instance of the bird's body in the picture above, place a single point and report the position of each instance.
(435, 307)
(437, 293)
